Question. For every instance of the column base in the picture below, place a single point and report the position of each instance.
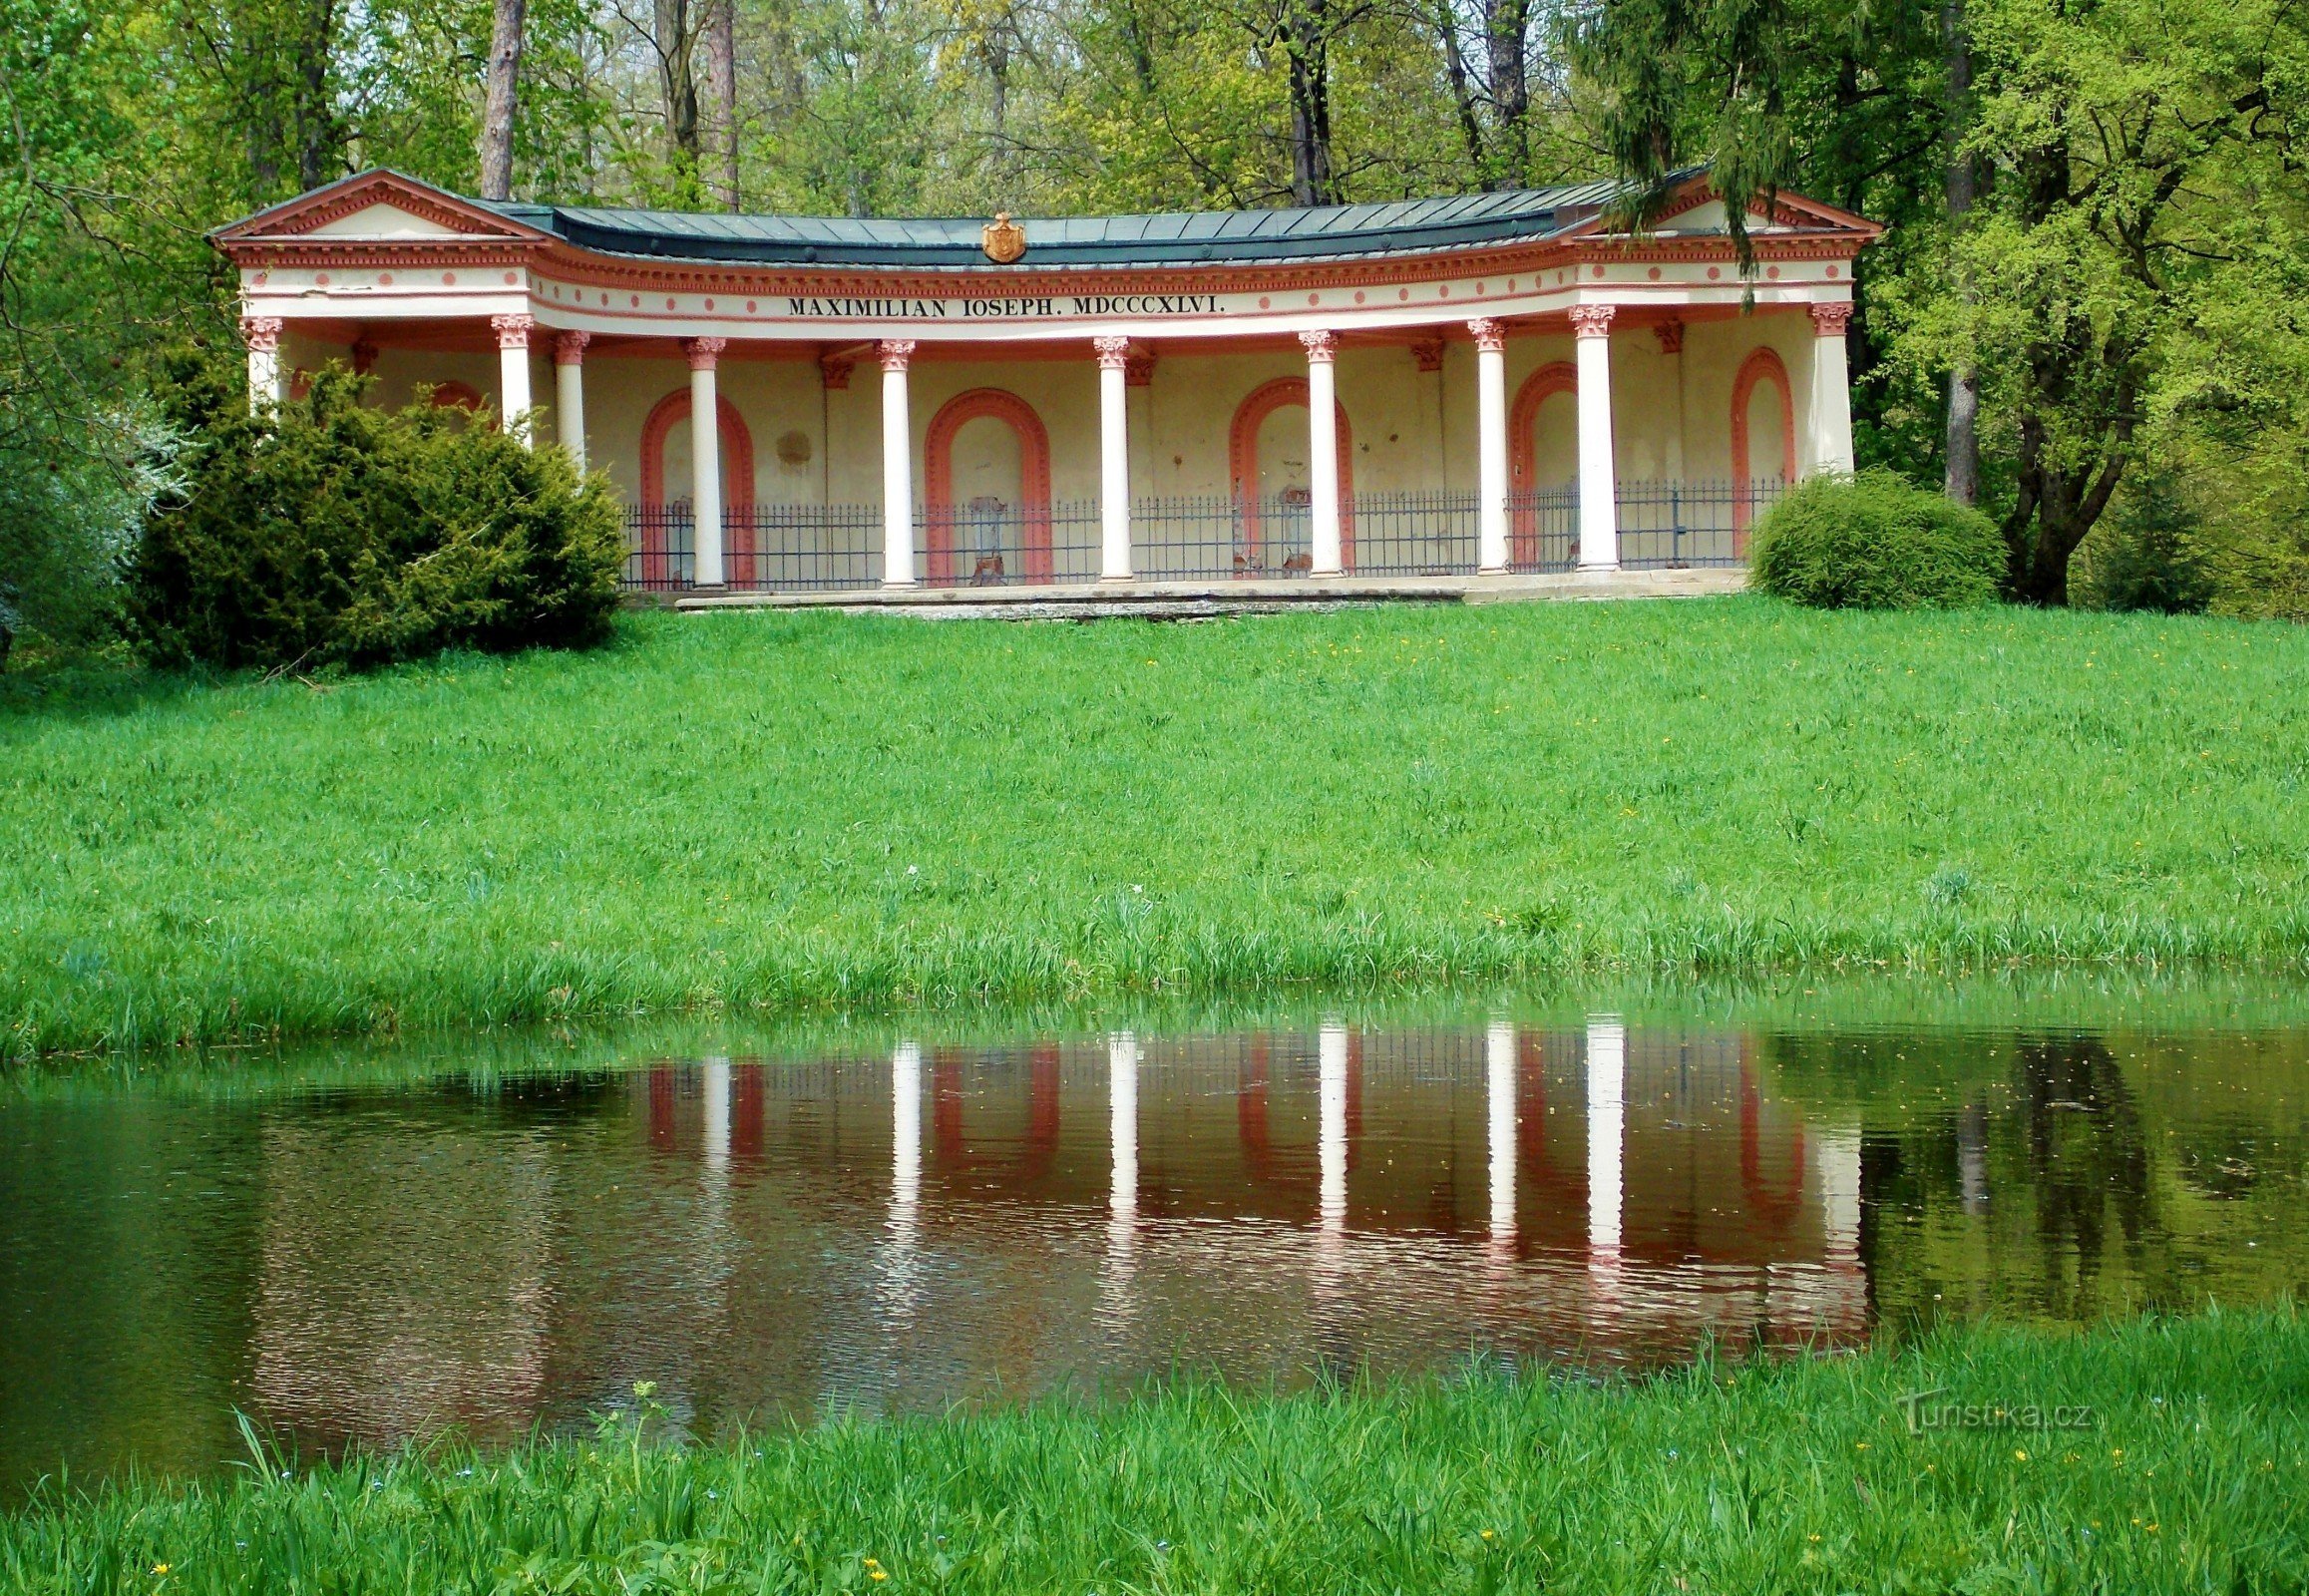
(1491, 571)
(1116, 581)
(1585, 567)
(909, 581)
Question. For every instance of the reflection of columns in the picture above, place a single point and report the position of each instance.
(262, 335)
(1331, 1144)
(1113, 459)
(569, 392)
(1670, 336)
(1607, 1131)
(705, 454)
(1971, 1157)
(1322, 445)
(896, 466)
(1499, 1085)
(904, 1225)
(513, 372)
(1491, 451)
(717, 1116)
(1122, 1190)
(1831, 440)
(1599, 509)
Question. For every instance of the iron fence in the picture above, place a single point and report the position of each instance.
(804, 548)
(1674, 524)
(661, 547)
(1430, 533)
(988, 544)
(1543, 528)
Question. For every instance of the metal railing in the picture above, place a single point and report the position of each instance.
(1002, 546)
(806, 548)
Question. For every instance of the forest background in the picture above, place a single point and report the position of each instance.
(2089, 315)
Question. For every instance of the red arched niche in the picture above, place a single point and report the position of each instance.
(737, 487)
(456, 396)
(1243, 461)
(1559, 376)
(938, 480)
(1762, 366)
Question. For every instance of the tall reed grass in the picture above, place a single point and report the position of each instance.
(782, 812)
(2188, 1475)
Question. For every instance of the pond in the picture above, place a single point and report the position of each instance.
(371, 1248)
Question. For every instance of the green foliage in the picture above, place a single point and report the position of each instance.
(2148, 555)
(1875, 542)
(335, 532)
(1797, 1473)
(780, 813)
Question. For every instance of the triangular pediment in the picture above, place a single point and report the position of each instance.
(1694, 209)
(378, 205)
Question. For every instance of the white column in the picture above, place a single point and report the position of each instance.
(1491, 448)
(1500, 1100)
(1670, 336)
(1831, 443)
(513, 372)
(1599, 509)
(570, 393)
(262, 335)
(1113, 459)
(705, 454)
(1607, 1130)
(1331, 1127)
(896, 466)
(1323, 446)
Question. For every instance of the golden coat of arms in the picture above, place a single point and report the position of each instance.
(1002, 239)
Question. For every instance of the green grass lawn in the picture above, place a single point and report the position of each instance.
(773, 811)
(2188, 1474)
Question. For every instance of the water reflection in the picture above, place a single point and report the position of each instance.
(911, 1228)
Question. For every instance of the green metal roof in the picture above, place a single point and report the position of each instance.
(1320, 233)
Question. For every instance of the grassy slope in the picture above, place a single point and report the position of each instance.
(782, 810)
(1798, 1477)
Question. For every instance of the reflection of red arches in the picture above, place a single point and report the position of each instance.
(1034, 479)
(1762, 366)
(1560, 376)
(1776, 1208)
(945, 1110)
(1532, 1162)
(1243, 460)
(1251, 1114)
(737, 487)
(1042, 1112)
(745, 1139)
(661, 1099)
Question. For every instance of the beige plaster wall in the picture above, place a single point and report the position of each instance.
(1409, 429)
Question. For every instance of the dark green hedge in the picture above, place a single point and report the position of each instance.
(1876, 542)
(332, 531)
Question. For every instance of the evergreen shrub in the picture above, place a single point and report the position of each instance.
(1875, 542)
(330, 532)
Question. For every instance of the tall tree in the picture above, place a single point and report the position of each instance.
(507, 20)
(721, 91)
(1961, 477)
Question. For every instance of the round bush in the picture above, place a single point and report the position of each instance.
(1876, 542)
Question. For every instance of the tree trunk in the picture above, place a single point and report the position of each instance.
(1306, 41)
(315, 118)
(677, 79)
(507, 21)
(1507, 34)
(721, 84)
(1962, 446)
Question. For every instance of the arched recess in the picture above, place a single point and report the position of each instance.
(456, 396)
(1243, 462)
(1762, 366)
(1559, 376)
(938, 474)
(737, 489)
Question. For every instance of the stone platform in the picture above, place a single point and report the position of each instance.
(1186, 600)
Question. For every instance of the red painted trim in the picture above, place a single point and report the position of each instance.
(939, 478)
(1243, 460)
(1762, 366)
(1558, 376)
(737, 485)
(1776, 1208)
